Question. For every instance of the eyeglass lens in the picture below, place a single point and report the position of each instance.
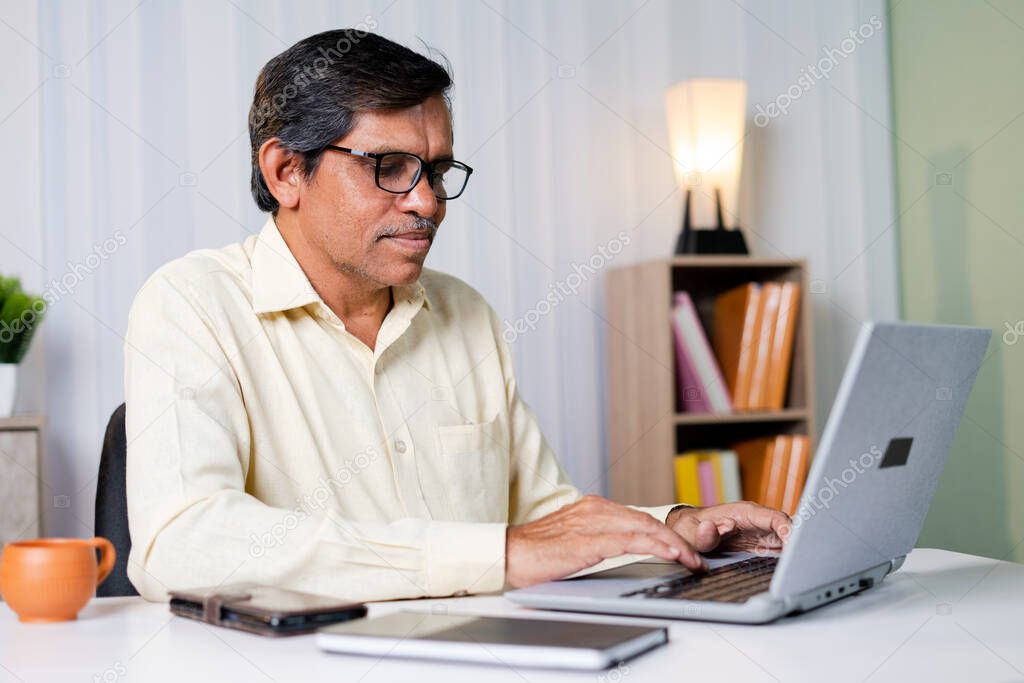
(399, 172)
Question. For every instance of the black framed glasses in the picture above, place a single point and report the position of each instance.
(398, 172)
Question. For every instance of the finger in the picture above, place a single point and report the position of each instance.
(767, 528)
(768, 544)
(704, 533)
(746, 526)
(768, 541)
(634, 521)
(640, 544)
(784, 529)
(707, 536)
(724, 517)
(684, 554)
(767, 519)
(689, 555)
(726, 526)
(614, 545)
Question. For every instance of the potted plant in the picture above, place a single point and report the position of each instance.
(20, 315)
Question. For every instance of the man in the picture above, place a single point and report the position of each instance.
(313, 409)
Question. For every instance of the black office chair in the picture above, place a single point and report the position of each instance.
(112, 505)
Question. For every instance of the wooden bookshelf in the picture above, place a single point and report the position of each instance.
(645, 431)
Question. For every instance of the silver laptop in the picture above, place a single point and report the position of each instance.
(865, 499)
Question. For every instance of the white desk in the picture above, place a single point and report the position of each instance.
(943, 616)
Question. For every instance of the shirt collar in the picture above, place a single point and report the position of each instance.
(279, 283)
(410, 295)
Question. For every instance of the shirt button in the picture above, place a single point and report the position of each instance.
(400, 446)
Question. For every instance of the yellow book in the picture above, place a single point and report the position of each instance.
(687, 482)
(716, 463)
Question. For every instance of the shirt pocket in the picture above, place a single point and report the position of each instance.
(475, 462)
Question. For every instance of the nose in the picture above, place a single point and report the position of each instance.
(420, 200)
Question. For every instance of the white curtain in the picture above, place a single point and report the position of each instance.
(127, 123)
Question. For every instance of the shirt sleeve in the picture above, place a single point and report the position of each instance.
(193, 524)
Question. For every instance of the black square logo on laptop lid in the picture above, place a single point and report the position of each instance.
(897, 453)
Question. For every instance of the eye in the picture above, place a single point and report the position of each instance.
(442, 167)
(391, 169)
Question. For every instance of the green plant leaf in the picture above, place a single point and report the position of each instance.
(8, 286)
(20, 316)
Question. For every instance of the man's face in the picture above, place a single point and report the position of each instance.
(364, 230)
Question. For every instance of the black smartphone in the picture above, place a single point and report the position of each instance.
(265, 610)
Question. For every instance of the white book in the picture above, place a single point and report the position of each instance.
(729, 466)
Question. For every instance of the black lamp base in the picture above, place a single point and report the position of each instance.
(717, 240)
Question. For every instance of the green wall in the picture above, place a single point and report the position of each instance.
(958, 99)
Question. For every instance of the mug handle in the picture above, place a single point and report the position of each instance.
(107, 557)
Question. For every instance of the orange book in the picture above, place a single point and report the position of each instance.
(782, 346)
(733, 338)
(753, 459)
(799, 462)
(778, 468)
(768, 309)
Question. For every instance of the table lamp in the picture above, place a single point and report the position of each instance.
(706, 120)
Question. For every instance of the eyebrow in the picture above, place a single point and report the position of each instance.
(384, 149)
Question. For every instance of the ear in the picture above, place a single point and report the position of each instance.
(281, 172)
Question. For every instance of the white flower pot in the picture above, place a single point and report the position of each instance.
(8, 387)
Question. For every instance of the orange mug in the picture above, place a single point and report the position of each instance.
(51, 579)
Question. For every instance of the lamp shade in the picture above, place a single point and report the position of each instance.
(706, 120)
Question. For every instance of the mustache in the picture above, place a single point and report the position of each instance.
(422, 225)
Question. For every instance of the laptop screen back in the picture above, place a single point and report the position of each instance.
(882, 452)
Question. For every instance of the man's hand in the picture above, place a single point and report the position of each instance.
(582, 534)
(732, 526)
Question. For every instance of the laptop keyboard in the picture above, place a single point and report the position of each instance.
(735, 582)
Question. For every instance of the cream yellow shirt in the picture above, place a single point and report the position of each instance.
(268, 444)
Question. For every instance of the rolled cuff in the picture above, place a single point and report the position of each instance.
(659, 512)
(465, 558)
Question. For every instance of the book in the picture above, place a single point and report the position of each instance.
(753, 455)
(733, 337)
(729, 466)
(700, 383)
(769, 470)
(716, 467)
(687, 479)
(799, 463)
(706, 474)
(781, 352)
(778, 468)
(768, 307)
